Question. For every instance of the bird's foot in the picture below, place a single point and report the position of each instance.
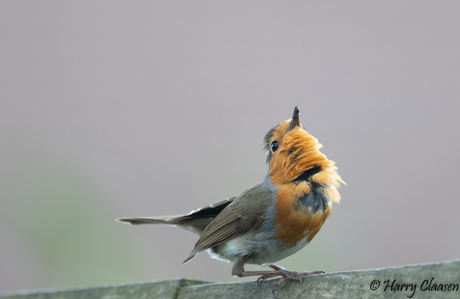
(285, 274)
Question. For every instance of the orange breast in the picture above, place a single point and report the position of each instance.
(293, 221)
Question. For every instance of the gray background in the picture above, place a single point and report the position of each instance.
(111, 109)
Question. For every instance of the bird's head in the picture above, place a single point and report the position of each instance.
(293, 155)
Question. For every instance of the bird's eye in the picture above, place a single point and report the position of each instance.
(274, 146)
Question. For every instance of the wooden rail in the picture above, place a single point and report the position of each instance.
(436, 280)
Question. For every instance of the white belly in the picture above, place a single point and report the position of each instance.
(261, 249)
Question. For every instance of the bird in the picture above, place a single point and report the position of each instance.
(273, 219)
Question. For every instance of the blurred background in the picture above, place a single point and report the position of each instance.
(122, 108)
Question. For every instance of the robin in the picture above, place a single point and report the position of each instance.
(273, 219)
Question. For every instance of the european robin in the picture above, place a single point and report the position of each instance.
(273, 219)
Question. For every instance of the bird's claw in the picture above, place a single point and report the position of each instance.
(285, 274)
(263, 277)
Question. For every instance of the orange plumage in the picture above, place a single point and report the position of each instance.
(299, 152)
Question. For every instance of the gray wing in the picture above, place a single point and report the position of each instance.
(244, 214)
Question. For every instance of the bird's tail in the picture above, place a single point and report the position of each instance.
(149, 220)
(195, 221)
(195, 225)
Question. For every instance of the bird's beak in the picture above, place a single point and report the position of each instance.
(295, 122)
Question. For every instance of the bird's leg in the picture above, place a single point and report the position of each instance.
(285, 274)
(279, 271)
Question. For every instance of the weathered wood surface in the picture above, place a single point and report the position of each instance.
(350, 284)
(436, 280)
(168, 289)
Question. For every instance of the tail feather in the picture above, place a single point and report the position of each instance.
(148, 220)
(190, 256)
(195, 221)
